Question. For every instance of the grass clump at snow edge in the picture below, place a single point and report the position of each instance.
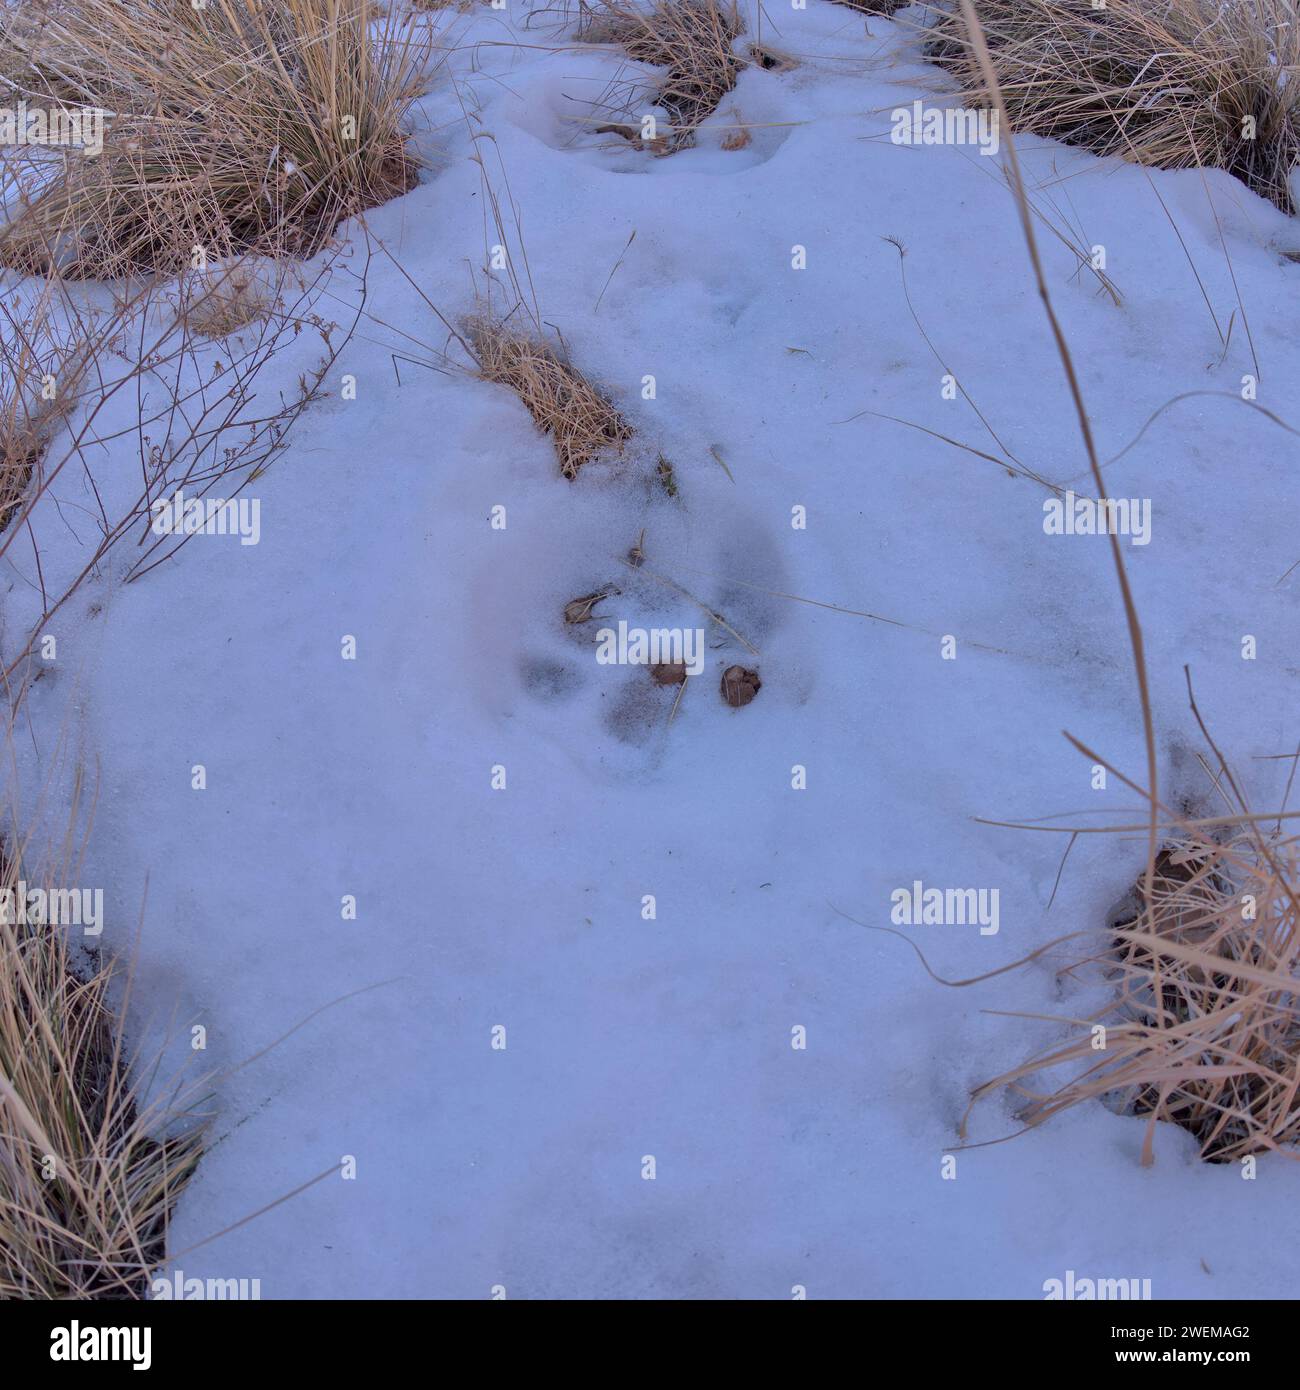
(1174, 84)
(231, 128)
(88, 1172)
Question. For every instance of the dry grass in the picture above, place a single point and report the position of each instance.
(1168, 83)
(563, 403)
(224, 302)
(884, 8)
(737, 137)
(772, 59)
(693, 40)
(40, 370)
(666, 476)
(88, 1176)
(24, 438)
(236, 128)
(1204, 1027)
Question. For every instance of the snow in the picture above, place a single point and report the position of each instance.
(478, 1167)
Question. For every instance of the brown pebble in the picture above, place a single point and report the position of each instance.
(669, 672)
(740, 685)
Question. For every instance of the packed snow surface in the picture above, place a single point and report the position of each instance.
(763, 293)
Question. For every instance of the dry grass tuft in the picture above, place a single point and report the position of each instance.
(88, 1177)
(1204, 1027)
(24, 437)
(692, 39)
(40, 370)
(234, 128)
(563, 403)
(884, 8)
(1175, 84)
(220, 304)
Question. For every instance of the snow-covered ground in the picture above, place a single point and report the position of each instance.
(775, 1166)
